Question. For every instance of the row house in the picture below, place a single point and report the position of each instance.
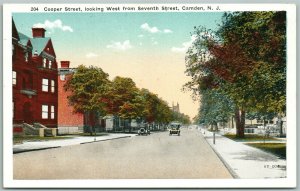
(34, 73)
(69, 122)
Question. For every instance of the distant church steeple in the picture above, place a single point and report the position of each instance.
(175, 108)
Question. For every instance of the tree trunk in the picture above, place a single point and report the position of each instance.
(129, 124)
(280, 123)
(264, 123)
(216, 126)
(240, 122)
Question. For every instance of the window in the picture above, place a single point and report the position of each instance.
(52, 86)
(44, 111)
(45, 85)
(13, 49)
(62, 77)
(13, 109)
(44, 62)
(50, 64)
(26, 56)
(14, 78)
(52, 112)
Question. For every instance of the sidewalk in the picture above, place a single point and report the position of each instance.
(244, 161)
(41, 145)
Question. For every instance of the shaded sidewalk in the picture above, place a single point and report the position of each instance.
(27, 146)
(244, 161)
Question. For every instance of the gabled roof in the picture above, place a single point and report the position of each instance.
(14, 30)
(38, 44)
(23, 39)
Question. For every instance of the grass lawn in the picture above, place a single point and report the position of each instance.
(20, 139)
(249, 138)
(278, 149)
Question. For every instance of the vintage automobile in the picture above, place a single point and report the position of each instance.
(175, 129)
(143, 131)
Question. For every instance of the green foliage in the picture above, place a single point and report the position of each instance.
(34, 138)
(215, 107)
(260, 38)
(125, 99)
(278, 149)
(88, 86)
(156, 109)
(182, 118)
(260, 116)
(250, 138)
(245, 60)
(92, 93)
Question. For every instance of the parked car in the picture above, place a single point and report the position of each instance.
(143, 131)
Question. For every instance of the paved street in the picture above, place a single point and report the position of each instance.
(153, 157)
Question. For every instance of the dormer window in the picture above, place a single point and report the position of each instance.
(50, 63)
(13, 49)
(44, 62)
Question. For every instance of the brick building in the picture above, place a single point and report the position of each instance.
(34, 80)
(68, 121)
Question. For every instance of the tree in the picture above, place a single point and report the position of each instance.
(125, 99)
(244, 59)
(88, 86)
(156, 109)
(164, 113)
(215, 108)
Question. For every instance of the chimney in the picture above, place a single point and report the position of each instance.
(38, 32)
(65, 64)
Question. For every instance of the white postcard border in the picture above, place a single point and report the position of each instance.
(290, 181)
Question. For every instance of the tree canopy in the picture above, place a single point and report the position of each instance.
(92, 92)
(245, 60)
(88, 86)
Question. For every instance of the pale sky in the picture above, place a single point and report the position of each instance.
(150, 48)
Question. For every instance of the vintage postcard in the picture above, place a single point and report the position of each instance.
(149, 95)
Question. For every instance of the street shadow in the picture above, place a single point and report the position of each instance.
(256, 156)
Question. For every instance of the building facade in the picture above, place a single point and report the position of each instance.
(69, 122)
(34, 79)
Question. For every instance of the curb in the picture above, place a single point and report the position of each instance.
(39, 149)
(231, 171)
(30, 150)
(104, 140)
